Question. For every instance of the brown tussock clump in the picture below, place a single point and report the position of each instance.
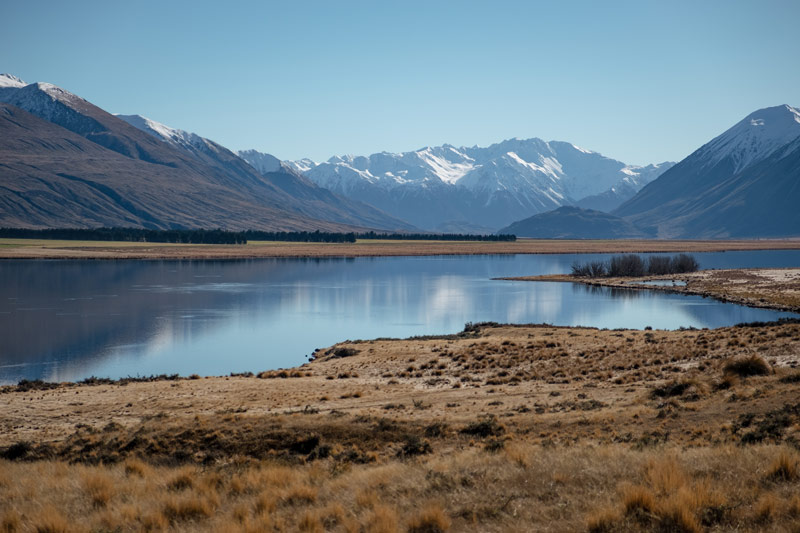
(784, 467)
(50, 520)
(11, 521)
(188, 507)
(99, 487)
(382, 519)
(432, 519)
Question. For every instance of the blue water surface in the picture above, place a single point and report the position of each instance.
(68, 320)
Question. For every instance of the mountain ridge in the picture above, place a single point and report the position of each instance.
(743, 183)
(139, 180)
(488, 186)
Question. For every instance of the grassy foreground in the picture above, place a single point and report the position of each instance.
(499, 428)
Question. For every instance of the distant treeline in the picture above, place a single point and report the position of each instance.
(299, 236)
(631, 265)
(219, 236)
(194, 236)
(435, 237)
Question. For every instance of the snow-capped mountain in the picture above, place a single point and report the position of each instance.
(489, 186)
(303, 195)
(743, 183)
(754, 138)
(68, 163)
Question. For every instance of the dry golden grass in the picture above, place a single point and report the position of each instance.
(606, 488)
(502, 428)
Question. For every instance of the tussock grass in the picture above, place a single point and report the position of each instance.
(432, 519)
(752, 365)
(785, 467)
(608, 488)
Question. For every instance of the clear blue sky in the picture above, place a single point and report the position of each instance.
(640, 81)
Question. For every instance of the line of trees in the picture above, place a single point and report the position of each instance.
(219, 236)
(299, 236)
(193, 236)
(436, 237)
(631, 265)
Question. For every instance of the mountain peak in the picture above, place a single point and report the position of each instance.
(756, 136)
(9, 80)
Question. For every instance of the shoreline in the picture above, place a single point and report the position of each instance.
(16, 249)
(766, 288)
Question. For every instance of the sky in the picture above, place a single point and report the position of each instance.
(640, 81)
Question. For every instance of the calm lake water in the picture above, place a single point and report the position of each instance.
(67, 320)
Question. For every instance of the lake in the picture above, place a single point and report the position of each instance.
(68, 320)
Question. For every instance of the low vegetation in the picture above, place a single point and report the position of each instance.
(501, 428)
(631, 265)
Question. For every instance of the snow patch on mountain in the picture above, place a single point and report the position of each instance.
(449, 171)
(260, 161)
(176, 137)
(9, 80)
(301, 165)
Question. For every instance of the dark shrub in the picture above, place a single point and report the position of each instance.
(632, 265)
(344, 352)
(748, 366)
(668, 390)
(684, 263)
(305, 446)
(629, 265)
(437, 429)
(598, 269)
(484, 428)
(414, 446)
(658, 265)
(580, 270)
(16, 451)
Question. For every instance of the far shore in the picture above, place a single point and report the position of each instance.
(768, 288)
(59, 249)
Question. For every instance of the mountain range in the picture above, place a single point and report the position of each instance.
(65, 162)
(481, 188)
(744, 183)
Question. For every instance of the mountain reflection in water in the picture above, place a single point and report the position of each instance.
(66, 320)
